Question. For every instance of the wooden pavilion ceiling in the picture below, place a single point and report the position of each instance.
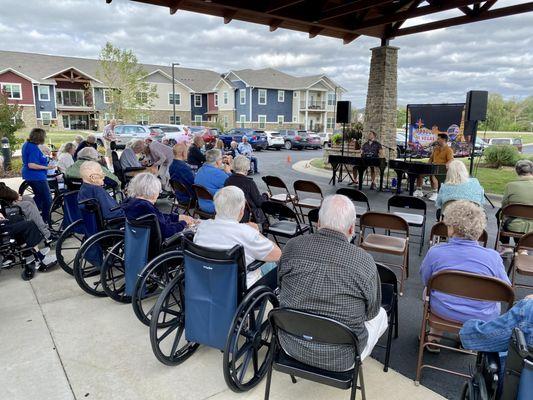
(346, 19)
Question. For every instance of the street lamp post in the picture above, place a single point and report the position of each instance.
(173, 94)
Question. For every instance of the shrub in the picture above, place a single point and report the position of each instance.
(498, 156)
(336, 138)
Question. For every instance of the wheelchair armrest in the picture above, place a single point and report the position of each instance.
(116, 222)
(172, 240)
(254, 265)
(133, 169)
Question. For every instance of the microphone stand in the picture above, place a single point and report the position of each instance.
(388, 169)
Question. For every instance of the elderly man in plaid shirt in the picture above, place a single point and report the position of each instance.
(325, 274)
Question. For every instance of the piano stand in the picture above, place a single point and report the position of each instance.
(340, 178)
(361, 171)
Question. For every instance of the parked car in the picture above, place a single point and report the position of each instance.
(256, 137)
(400, 143)
(207, 135)
(516, 142)
(126, 133)
(313, 141)
(325, 137)
(294, 138)
(275, 140)
(174, 133)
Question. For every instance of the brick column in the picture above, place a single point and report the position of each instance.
(381, 98)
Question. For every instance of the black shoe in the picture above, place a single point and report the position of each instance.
(51, 239)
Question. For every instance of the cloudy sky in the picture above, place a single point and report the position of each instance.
(439, 66)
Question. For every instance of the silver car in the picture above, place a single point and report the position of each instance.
(127, 133)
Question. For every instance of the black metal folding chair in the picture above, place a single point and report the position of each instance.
(281, 221)
(389, 302)
(415, 220)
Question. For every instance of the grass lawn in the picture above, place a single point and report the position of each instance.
(527, 137)
(57, 137)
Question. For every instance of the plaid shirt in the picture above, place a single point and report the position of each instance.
(324, 274)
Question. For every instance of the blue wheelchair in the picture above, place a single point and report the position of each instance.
(208, 303)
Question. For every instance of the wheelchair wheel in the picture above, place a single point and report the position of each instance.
(152, 281)
(89, 260)
(55, 218)
(249, 341)
(113, 274)
(67, 246)
(167, 326)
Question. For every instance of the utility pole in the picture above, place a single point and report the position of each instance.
(174, 93)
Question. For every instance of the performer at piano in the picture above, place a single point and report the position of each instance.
(372, 148)
(441, 154)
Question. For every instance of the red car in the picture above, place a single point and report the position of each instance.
(206, 133)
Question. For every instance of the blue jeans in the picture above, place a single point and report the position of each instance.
(253, 161)
(42, 197)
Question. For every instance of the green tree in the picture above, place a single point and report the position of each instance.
(10, 119)
(120, 71)
(401, 115)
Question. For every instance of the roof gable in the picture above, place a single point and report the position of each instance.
(18, 73)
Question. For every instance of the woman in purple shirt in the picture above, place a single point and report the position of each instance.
(465, 221)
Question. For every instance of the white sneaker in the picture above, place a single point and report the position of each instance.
(49, 259)
(44, 251)
(433, 196)
(418, 193)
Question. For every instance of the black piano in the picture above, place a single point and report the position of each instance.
(361, 163)
(413, 169)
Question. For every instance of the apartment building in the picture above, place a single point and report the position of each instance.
(65, 93)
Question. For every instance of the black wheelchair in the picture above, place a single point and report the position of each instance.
(517, 376)
(221, 313)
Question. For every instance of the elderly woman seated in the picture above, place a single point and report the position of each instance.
(65, 158)
(239, 178)
(143, 191)
(465, 222)
(459, 186)
(225, 231)
(90, 154)
(93, 188)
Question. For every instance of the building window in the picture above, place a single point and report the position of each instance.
(198, 119)
(216, 99)
(107, 96)
(225, 98)
(281, 96)
(262, 121)
(176, 100)
(70, 98)
(242, 120)
(330, 124)
(46, 117)
(142, 97)
(18, 117)
(281, 119)
(295, 119)
(198, 101)
(13, 90)
(262, 97)
(44, 93)
(242, 96)
(295, 94)
(143, 119)
(177, 121)
(331, 99)
(226, 123)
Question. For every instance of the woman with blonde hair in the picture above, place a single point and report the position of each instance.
(459, 186)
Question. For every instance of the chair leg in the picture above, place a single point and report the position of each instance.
(389, 342)
(268, 381)
(423, 237)
(361, 382)
(396, 319)
(293, 379)
(421, 345)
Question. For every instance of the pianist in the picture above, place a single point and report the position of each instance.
(372, 148)
(441, 154)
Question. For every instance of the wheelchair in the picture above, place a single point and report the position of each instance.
(517, 377)
(208, 303)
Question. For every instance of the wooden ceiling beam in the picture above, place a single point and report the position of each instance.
(277, 5)
(446, 23)
(275, 24)
(229, 15)
(174, 6)
(314, 32)
(487, 6)
(349, 38)
(351, 8)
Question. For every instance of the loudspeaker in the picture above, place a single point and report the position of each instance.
(344, 112)
(476, 105)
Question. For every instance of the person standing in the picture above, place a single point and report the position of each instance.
(372, 148)
(245, 148)
(161, 156)
(109, 140)
(34, 170)
(441, 154)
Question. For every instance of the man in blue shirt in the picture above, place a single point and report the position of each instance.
(181, 172)
(212, 175)
(245, 149)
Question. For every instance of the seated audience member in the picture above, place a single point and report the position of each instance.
(90, 154)
(459, 186)
(465, 222)
(65, 158)
(89, 142)
(130, 156)
(29, 210)
(93, 188)
(233, 149)
(239, 178)
(77, 140)
(323, 273)
(246, 149)
(181, 172)
(519, 192)
(219, 144)
(225, 231)
(161, 157)
(212, 176)
(195, 157)
(144, 190)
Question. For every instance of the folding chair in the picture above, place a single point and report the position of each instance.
(389, 302)
(356, 196)
(312, 216)
(461, 284)
(122, 174)
(379, 243)
(313, 329)
(312, 199)
(180, 188)
(413, 219)
(439, 234)
(285, 196)
(512, 211)
(202, 194)
(522, 263)
(287, 224)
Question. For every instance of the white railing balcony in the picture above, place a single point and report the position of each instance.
(313, 105)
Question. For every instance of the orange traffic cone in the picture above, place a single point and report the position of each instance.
(289, 160)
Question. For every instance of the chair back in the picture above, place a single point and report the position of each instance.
(518, 211)
(313, 218)
(278, 210)
(179, 187)
(202, 193)
(71, 209)
(307, 186)
(526, 241)
(93, 221)
(117, 167)
(440, 231)
(73, 183)
(142, 242)
(471, 286)
(215, 281)
(354, 195)
(387, 276)
(382, 220)
(410, 202)
(274, 181)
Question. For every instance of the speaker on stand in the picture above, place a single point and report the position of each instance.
(344, 116)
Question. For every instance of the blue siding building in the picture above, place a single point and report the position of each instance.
(45, 105)
(198, 110)
(273, 106)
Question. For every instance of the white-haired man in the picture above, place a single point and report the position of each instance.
(109, 138)
(325, 274)
(225, 231)
(245, 148)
